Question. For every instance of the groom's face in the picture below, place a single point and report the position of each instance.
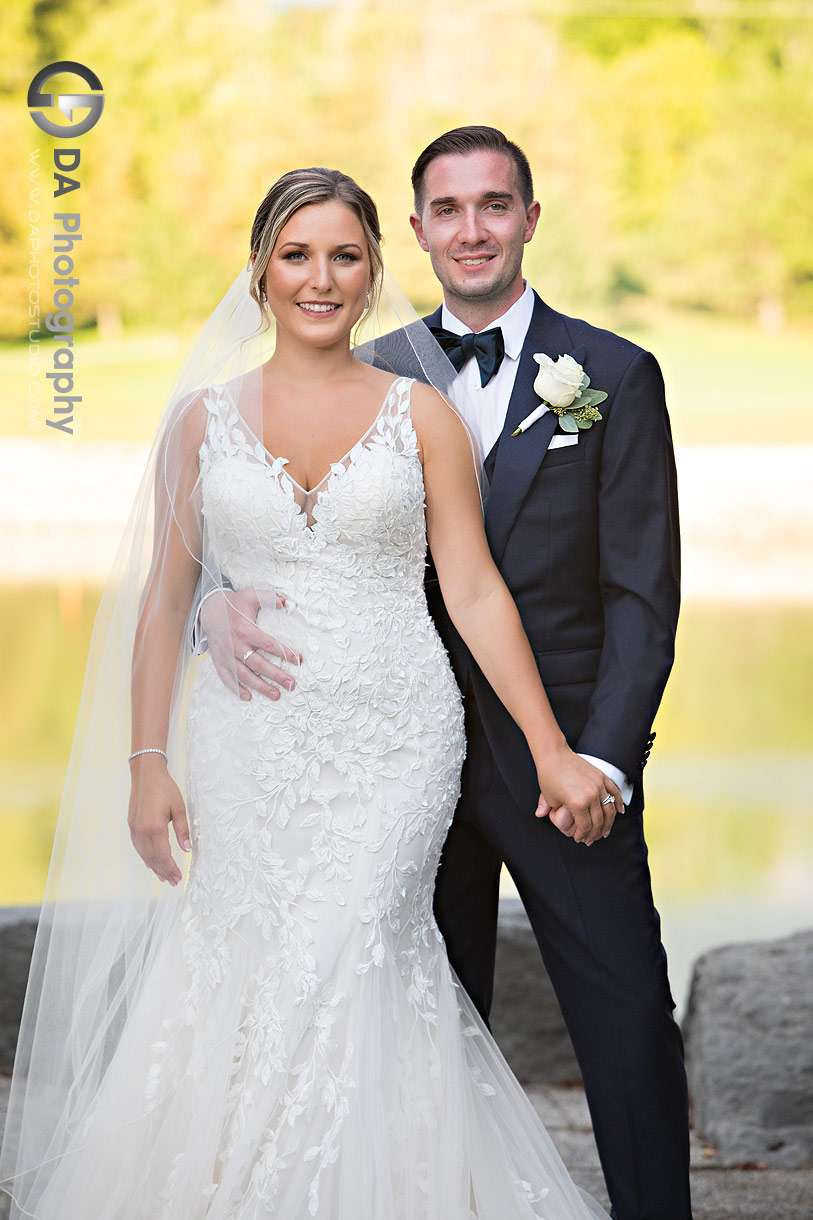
(474, 224)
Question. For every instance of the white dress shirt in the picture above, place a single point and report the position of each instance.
(484, 409)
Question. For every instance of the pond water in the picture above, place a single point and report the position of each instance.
(729, 807)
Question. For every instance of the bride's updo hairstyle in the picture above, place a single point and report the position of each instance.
(298, 189)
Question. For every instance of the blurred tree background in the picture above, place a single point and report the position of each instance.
(671, 141)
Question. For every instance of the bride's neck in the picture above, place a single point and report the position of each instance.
(294, 361)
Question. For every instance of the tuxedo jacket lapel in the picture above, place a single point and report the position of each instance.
(518, 457)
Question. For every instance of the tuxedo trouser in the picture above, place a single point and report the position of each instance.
(594, 919)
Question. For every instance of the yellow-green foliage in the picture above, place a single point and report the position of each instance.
(672, 154)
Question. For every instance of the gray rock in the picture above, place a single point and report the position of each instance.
(18, 926)
(525, 1018)
(749, 1044)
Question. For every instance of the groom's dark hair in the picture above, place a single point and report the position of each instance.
(463, 140)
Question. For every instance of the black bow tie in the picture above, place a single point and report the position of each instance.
(487, 347)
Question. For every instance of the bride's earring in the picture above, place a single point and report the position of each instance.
(367, 301)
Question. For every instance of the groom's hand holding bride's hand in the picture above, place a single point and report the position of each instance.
(562, 818)
(579, 804)
(229, 620)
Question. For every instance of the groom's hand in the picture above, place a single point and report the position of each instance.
(230, 622)
(562, 818)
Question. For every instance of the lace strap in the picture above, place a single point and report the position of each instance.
(210, 398)
(400, 398)
(225, 427)
(395, 421)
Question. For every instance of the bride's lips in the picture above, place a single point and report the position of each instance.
(319, 309)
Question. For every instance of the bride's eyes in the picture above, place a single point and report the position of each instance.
(296, 256)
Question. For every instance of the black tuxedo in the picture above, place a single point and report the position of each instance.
(586, 538)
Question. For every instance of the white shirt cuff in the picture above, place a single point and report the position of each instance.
(199, 642)
(613, 773)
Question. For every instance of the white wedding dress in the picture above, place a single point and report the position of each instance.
(301, 1047)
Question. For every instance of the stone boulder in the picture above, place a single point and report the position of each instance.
(18, 926)
(749, 1044)
(525, 1016)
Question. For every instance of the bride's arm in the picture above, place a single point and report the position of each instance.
(483, 611)
(155, 799)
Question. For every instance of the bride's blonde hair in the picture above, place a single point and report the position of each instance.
(297, 189)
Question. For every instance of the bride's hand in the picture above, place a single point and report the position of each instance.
(573, 795)
(155, 801)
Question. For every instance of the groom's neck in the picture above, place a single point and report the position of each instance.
(479, 313)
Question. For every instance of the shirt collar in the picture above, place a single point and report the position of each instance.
(514, 322)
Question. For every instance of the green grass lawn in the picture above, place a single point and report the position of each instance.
(726, 382)
(730, 383)
(124, 384)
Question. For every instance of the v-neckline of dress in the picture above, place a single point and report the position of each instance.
(272, 459)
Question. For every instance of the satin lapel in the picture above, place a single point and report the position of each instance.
(518, 457)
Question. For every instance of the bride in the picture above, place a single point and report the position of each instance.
(277, 1032)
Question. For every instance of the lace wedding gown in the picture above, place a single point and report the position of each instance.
(301, 1048)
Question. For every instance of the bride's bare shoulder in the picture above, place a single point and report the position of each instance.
(378, 378)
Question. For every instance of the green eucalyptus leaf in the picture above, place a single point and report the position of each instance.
(592, 398)
(568, 423)
(584, 424)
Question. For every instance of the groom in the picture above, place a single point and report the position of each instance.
(584, 528)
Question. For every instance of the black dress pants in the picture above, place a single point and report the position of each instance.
(592, 913)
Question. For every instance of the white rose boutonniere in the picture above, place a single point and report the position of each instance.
(558, 381)
(564, 388)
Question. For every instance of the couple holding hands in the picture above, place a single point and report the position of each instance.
(295, 1024)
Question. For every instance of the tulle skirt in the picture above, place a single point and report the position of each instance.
(357, 1111)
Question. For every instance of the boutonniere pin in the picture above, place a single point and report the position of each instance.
(564, 388)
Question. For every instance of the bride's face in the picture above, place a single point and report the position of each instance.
(318, 274)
